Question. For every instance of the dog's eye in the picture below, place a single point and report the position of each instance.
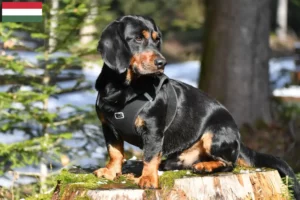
(138, 39)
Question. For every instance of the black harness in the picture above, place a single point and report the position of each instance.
(124, 119)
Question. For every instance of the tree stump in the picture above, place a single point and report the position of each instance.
(256, 184)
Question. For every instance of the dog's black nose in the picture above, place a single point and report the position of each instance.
(160, 62)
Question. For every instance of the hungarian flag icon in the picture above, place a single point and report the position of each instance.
(22, 12)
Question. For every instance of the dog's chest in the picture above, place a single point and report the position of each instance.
(124, 120)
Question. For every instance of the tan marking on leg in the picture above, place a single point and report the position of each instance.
(146, 34)
(139, 122)
(149, 178)
(210, 166)
(116, 154)
(206, 142)
(201, 148)
(114, 166)
(190, 155)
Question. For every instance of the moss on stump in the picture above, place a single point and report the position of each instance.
(242, 183)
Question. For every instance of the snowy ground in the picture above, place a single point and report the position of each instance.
(187, 72)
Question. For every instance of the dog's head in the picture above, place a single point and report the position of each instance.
(132, 43)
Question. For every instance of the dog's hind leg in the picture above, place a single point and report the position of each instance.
(219, 151)
(171, 163)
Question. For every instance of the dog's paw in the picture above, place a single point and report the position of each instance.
(148, 182)
(207, 167)
(201, 168)
(105, 173)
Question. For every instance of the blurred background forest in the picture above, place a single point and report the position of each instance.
(250, 61)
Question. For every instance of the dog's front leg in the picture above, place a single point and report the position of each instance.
(115, 148)
(149, 178)
(152, 159)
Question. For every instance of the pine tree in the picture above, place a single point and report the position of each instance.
(24, 104)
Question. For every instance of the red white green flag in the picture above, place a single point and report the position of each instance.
(22, 12)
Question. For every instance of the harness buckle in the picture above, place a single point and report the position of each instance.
(119, 115)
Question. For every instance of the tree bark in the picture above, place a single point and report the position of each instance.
(235, 59)
(87, 32)
(282, 14)
(53, 25)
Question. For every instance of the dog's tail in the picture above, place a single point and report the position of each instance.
(263, 160)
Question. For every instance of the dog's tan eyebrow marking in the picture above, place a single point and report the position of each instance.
(154, 35)
(146, 34)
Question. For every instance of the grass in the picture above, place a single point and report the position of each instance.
(168, 177)
(83, 182)
(288, 186)
(40, 197)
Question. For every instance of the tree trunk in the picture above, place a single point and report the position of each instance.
(53, 25)
(235, 59)
(282, 13)
(43, 176)
(251, 185)
(87, 32)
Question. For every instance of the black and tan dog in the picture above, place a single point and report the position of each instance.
(137, 103)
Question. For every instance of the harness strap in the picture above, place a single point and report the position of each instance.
(131, 112)
(172, 106)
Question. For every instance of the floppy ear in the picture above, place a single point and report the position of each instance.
(113, 47)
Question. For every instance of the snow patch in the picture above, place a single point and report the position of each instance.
(292, 91)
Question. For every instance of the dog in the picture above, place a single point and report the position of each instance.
(138, 104)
